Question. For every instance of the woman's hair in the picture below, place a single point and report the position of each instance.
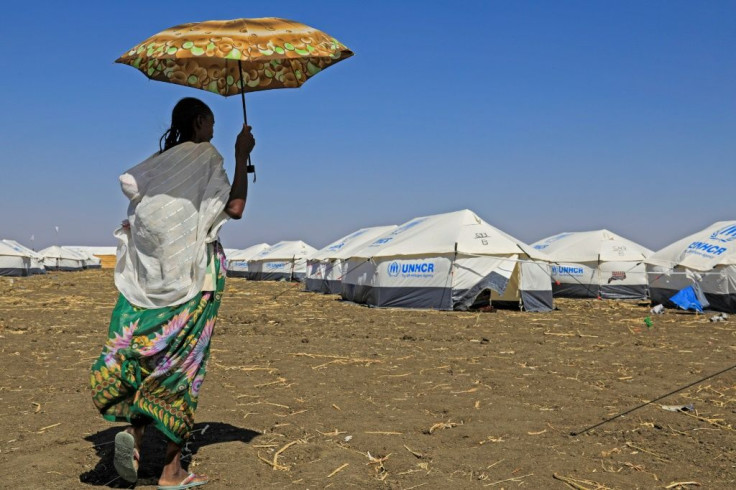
(183, 118)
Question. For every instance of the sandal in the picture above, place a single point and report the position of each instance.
(187, 482)
(126, 457)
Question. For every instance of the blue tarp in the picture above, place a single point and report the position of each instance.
(687, 299)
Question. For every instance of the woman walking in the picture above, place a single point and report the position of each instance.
(170, 275)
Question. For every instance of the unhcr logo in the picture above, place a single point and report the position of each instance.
(408, 226)
(423, 268)
(409, 269)
(707, 248)
(726, 234)
(381, 241)
(550, 241)
(393, 269)
(567, 271)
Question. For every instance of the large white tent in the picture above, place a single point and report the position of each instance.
(596, 264)
(90, 260)
(56, 258)
(285, 261)
(326, 267)
(706, 259)
(14, 262)
(237, 260)
(104, 257)
(36, 262)
(445, 262)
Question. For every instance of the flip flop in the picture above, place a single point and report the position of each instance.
(126, 457)
(185, 483)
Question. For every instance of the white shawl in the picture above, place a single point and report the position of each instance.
(177, 202)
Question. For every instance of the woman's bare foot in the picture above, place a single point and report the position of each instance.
(173, 473)
(191, 479)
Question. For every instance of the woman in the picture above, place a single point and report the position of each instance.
(171, 277)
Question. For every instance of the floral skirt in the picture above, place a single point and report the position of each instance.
(154, 361)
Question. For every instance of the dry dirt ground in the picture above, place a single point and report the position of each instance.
(306, 391)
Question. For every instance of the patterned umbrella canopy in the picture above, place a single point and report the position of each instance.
(229, 57)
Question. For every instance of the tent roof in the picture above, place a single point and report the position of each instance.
(248, 253)
(8, 250)
(701, 251)
(344, 247)
(56, 252)
(93, 250)
(84, 252)
(285, 250)
(21, 248)
(589, 246)
(462, 231)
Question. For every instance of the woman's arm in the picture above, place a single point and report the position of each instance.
(239, 191)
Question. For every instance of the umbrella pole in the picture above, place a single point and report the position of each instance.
(242, 92)
(250, 168)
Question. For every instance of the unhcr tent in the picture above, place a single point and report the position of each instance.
(237, 260)
(706, 260)
(14, 262)
(445, 262)
(90, 261)
(36, 260)
(285, 261)
(596, 264)
(56, 258)
(326, 267)
(107, 255)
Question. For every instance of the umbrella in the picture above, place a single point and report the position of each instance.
(230, 57)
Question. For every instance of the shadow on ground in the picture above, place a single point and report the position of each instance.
(154, 447)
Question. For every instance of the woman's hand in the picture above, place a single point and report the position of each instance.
(239, 192)
(244, 144)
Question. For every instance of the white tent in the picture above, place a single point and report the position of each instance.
(326, 267)
(107, 255)
(90, 261)
(56, 258)
(14, 262)
(596, 264)
(445, 262)
(237, 260)
(285, 261)
(706, 258)
(36, 266)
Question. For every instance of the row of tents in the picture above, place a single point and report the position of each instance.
(459, 261)
(19, 260)
(456, 260)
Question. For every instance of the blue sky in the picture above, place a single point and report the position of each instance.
(542, 117)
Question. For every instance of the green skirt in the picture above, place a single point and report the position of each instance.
(153, 364)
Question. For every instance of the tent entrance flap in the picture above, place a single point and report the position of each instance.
(536, 289)
(476, 276)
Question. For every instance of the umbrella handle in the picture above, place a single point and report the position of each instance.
(251, 169)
